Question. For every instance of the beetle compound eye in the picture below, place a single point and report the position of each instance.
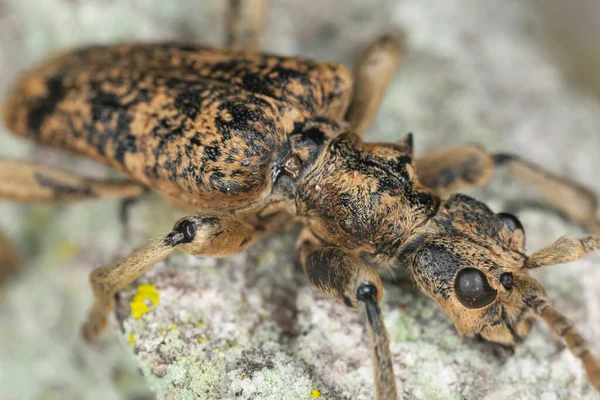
(472, 288)
(517, 233)
(511, 222)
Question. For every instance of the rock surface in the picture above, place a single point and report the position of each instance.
(250, 326)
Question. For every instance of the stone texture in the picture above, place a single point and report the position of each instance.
(250, 326)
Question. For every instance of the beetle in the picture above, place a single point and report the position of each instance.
(245, 140)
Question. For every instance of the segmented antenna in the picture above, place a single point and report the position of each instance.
(577, 344)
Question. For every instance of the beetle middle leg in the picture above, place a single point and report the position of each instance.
(352, 281)
(449, 170)
(206, 235)
(375, 68)
(245, 22)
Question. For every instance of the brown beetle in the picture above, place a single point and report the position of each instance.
(245, 140)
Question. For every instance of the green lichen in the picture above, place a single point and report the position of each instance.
(189, 378)
(400, 327)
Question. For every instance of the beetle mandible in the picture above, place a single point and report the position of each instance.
(245, 140)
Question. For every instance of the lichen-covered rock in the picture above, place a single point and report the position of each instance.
(251, 326)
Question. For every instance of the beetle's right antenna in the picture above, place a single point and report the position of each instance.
(380, 343)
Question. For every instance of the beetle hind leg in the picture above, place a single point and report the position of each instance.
(245, 22)
(32, 183)
(374, 70)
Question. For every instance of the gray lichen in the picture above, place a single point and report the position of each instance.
(250, 326)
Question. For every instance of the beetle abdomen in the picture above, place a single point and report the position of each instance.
(201, 123)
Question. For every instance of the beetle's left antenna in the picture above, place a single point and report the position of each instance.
(576, 343)
(535, 298)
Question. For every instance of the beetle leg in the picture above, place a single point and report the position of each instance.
(375, 68)
(206, 235)
(30, 183)
(352, 281)
(10, 260)
(449, 170)
(245, 22)
(125, 211)
(570, 198)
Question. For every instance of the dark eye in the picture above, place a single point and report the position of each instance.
(472, 288)
(511, 222)
(517, 233)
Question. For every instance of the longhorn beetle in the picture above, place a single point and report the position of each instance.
(244, 139)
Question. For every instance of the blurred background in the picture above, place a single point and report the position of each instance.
(514, 76)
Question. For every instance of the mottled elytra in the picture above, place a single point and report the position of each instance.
(246, 140)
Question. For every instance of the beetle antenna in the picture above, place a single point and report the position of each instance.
(563, 250)
(564, 328)
(380, 344)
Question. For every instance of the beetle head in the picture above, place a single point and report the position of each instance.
(470, 260)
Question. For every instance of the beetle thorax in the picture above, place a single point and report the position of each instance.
(363, 196)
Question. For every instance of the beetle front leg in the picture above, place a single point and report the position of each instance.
(449, 170)
(245, 22)
(352, 281)
(374, 71)
(568, 197)
(206, 235)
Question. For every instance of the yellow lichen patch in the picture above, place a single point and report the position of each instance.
(266, 256)
(173, 327)
(202, 340)
(149, 292)
(138, 308)
(138, 303)
(131, 338)
(66, 249)
(315, 394)
(199, 323)
(243, 373)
